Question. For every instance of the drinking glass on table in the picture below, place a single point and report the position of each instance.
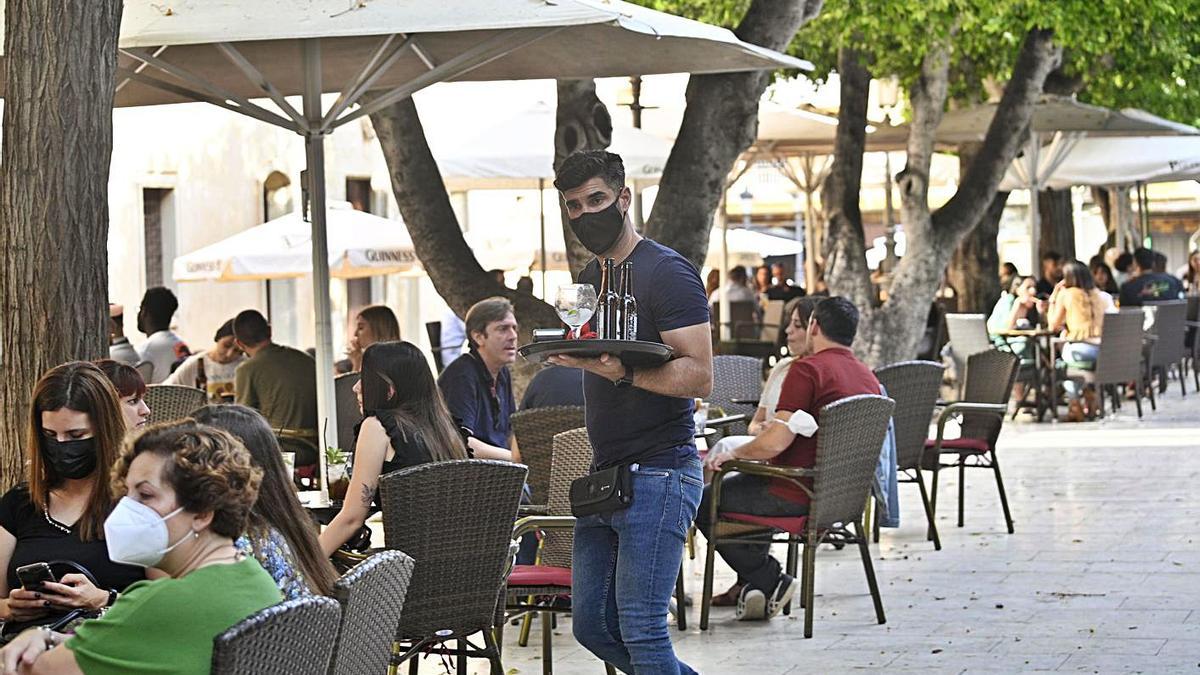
(700, 416)
(575, 304)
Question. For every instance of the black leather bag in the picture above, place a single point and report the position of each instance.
(602, 492)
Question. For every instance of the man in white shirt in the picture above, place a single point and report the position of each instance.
(212, 369)
(164, 348)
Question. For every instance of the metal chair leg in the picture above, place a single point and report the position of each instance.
(962, 487)
(1137, 399)
(1182, 379)
(933, 485)
(547, 645)
(680, 601)
(493, 649)
(462, 658)
(806, 584)
(691, 542)
(608, 669)
(870, 570)
(706, 596)
(932, 529)
(526, 626)
(1003, 496)
(791, 569)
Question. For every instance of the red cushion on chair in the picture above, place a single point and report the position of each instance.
(961, 445)
(789, 524)
(539, 575)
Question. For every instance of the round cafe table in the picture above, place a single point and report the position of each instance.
(1044, 360)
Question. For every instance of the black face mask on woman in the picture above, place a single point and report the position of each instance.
(598, 231)
(71, 459)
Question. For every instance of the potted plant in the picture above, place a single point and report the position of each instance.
(336, 472)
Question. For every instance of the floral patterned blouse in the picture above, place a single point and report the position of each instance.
(275, 556)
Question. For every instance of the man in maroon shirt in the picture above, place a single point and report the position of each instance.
(829, 374)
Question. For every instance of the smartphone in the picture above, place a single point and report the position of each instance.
(32, 576)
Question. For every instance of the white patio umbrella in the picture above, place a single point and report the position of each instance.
(1120, 161)
(226, 53)
(359, 245)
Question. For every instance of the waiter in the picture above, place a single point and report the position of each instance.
(626, 562)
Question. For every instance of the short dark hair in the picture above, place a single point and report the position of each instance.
(1160, 262)
(159, 303)
(585, 165)
(226, 330)
(838, 319)
(1144, 259)
(804, 305)
(1052, 255)
(124, 377)
(483, 313)
(1123, 262)
(250, 328)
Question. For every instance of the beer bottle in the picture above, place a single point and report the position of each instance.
(609, 301)
(629, 312)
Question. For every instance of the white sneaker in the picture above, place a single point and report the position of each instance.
(784, 590)
(752, 605)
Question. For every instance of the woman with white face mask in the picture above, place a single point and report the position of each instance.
(189, 489)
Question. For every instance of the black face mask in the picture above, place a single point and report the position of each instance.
(71, 459)
(599, 231)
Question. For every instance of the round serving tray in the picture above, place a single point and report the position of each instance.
(635, 353)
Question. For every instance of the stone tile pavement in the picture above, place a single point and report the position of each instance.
(1102, 575)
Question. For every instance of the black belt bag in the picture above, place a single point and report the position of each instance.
(602, 492)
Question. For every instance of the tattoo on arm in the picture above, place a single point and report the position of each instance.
(368, 494)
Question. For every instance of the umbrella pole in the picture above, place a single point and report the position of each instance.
(314, 150)
(1035, 221)
(542, 224)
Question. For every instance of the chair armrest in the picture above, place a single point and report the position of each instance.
(756, 468)
(353, 558)
(528, 524)
(532, 510)
(744, 401)
(965, 407)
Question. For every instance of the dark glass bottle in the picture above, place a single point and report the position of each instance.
(629, 314)
(609, 301)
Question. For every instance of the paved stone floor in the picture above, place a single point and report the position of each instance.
(1102, 575)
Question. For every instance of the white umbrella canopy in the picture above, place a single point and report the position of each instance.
(518, 151)
(360, 245)
(1120, 161)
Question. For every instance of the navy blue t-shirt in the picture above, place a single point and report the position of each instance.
(631, 424)
(1150, 287)
(478, 402)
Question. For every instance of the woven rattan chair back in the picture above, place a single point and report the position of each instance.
(292, 638)
(736, 377)
(535, 431)
(990, 377)
(455, 519)
(372, 599)
(914, 386)
(968, 335)
(772, 323)
(1169, 325)
(348, 413)
(171, 402)
(572, 459)
(1120, 356)
(848, 444)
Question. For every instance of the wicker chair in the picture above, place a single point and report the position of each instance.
(533, 588)
(292, 638)
(736, 377)
(348, 412)
(968, 335)
(852, 431)
(1120, 358)
(171, 402)
(535, 431)
(1170, 335)
(986, 391)
(456, 520)
(372, 599)
(914, 386)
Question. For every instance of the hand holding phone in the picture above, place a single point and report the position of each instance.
(32, 576)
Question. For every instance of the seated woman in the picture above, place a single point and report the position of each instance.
(1105, 283)
(405, 423)
(1018, 307)
(1077, 309)
(131, 391)
(189, 489)
(75, 432)
(280, 533)
(798, 312)
(376, 323)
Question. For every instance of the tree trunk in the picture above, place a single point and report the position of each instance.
(846, 269)
(891, 332)
(1058, 223)
(974, 271)
(582, 122)
(437, 237)
(60, 61)
(719, 123)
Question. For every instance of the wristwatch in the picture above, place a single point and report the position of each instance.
(626, 379)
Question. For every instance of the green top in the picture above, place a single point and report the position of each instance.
(168, 625)
(281, 383)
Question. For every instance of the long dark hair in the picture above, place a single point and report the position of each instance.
(1077, 275)
(277, 506)
(396, 380)
(80, 386)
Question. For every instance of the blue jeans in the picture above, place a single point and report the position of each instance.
(624, 570)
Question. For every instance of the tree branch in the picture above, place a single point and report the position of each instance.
(582, 122)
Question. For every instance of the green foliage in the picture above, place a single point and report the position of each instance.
(1126, 53)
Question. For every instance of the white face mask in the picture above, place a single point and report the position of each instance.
(137, 535)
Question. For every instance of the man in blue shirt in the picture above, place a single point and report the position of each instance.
(625, 562)
(478, 387)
